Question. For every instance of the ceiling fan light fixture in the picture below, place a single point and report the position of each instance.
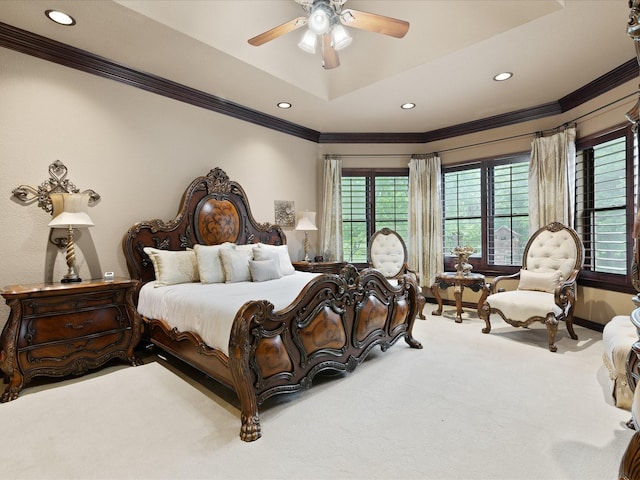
(340, 38)
(320, 19)
(308, 42)
(347, 17)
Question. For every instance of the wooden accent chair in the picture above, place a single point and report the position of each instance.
(388, 253)
(553, 258)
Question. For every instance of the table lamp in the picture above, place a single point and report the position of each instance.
(306, 223)
(70, 211)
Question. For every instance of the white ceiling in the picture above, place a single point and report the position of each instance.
(445, 63)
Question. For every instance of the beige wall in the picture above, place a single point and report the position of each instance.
(139, 150)
(592, 117)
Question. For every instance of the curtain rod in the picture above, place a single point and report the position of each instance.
(521, 135)
(550, 130)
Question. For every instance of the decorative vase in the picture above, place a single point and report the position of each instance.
(463, 267)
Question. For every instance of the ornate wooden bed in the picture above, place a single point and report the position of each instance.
(333, 324)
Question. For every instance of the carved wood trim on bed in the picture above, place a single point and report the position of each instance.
(333, 324)
(213, 210)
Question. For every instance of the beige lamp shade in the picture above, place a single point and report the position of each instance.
(307, 221)
(70, 210)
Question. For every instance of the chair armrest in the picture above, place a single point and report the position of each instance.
(406, 269)
(494, 285)
(565, 291)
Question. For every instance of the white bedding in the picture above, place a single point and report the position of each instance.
(209, 309)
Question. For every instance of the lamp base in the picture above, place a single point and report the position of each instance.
(70, 279)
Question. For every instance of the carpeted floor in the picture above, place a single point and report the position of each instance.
(467, 406)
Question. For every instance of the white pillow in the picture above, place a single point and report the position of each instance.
(264, 254)
(209, 264)
(263, 270)
(283, 255)
(172, 267)
(235, 264)
(541, 281)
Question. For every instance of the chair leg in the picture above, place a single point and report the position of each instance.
(569, 322)
(485, 313)
(552, 327)
(422, 301)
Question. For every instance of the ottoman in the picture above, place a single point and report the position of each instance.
(617, 337)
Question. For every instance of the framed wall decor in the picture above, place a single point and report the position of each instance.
(285, 213)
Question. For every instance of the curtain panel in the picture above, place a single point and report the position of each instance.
(425, 243)
(552, 179)
(331, 227)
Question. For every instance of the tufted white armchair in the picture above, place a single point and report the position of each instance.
(546, 292)
(388, 254)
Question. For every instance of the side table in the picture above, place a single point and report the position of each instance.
(319, 267)
(57, 329)
(474, 281)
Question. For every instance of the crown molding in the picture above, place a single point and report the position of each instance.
(62, 54)
(45, 48)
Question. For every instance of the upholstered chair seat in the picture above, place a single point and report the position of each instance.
(388, 253)
(552, 260)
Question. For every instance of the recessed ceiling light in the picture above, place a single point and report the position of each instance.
(407, 106)
(501, 77)
(284, 105)
(60, 17)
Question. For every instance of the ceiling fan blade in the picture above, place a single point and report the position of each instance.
(374, 23)
(278, 31)
(329, 55)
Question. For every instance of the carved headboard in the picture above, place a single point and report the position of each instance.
(213, 210)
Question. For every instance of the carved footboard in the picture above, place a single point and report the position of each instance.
(333, 324)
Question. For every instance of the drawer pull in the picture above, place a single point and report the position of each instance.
(78, 327)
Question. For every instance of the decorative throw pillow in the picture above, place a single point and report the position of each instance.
(263, 270)
(264, 254)
(209, 264)
(235, 264)
(540, 281)
(173, 266)
(286, 267)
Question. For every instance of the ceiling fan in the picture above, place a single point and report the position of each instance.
(325, 19)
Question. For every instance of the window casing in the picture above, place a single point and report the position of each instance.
(486, 206)
(606, 192)
(372, 199)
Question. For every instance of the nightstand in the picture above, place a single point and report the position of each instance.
(319, 267)
(59, 329)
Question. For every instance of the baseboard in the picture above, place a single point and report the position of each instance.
(598, 327)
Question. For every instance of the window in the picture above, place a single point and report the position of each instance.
(488, 196)
(371, 200)
(462, 209)
(508, 213)
(605, 204)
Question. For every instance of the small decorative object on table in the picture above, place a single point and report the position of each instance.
(463, 267)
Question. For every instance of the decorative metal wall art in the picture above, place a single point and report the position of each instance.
(56, 183)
